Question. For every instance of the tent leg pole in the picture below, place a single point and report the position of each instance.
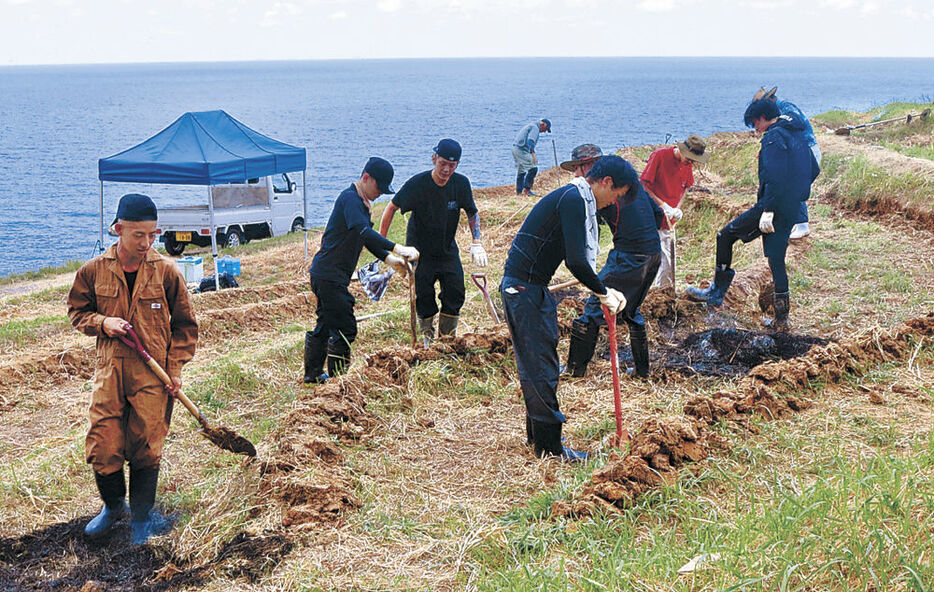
(305, 213)
(217, 275)
(100, 245)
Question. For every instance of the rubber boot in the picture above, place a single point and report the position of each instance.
(782, 306)
(447, 325)
(520, 183)
(143, 523)
(529, 431)
(639, 343)
(112, 488)
(583, 342)
(529, 181)
(713, 295)
(547, 442)
(315, 356)
(426, 328)
(338, 359)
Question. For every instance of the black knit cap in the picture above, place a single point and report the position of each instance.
(136, 207)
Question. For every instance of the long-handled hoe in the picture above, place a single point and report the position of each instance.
(218, 435)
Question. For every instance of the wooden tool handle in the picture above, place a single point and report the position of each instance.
(154, 365)
(563, 285)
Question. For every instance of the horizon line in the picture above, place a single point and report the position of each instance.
(438, 58)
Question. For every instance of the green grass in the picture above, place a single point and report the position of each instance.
(796, 514)
(44, 272)
(837, 118)
(737, 166)
(925, 151)
(18, 332)
(859, 182)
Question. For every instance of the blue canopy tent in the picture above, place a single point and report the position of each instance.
(203, 148)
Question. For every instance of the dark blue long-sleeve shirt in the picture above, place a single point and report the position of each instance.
(787, 167)
(554, 231)
(349, 229)
(635, 224)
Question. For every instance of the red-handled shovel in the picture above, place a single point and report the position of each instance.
(622, 435)
(221, 436)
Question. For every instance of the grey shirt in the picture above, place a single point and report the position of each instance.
(527, 137)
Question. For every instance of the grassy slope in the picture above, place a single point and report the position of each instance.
(839, 497)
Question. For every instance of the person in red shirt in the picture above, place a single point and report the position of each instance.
(668, 174)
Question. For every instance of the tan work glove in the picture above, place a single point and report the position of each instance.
(613, 300)
(397, 263)
(407, 253)
(765, 222)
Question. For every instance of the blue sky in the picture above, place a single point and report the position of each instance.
(95, 31)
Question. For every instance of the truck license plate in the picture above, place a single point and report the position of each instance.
(183, 237)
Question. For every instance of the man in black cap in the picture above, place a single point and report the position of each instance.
(562, 227)
(349, 229)
(523, 153)
(630, 268)
(130, 283)
(436, 198)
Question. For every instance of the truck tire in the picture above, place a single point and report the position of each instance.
(233, 238)
(172, 246)
(298, 225)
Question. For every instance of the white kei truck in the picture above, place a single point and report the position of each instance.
(259, 208)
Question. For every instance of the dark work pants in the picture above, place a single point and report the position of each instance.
(449, 273)
(631, 274)
(531, 313)
(745, 227)
(336, 324)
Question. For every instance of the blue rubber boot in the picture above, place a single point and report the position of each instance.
(713, 295)
(112, 489)
(142, 497)
(547, 442)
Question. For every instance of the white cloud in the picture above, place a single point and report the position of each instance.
(869, 8)
(17, 2)
(839, 4)
(771, 4)
(657, 5)
(339, 15)
(271, 18)
(389, 5)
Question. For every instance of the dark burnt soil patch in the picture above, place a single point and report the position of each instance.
(59, 557)
(733, 352)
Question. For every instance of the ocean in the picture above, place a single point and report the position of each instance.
(56, 121)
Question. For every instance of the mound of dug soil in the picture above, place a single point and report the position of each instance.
(396, 361)
(305, 471)
(660, 448)
(58, 366)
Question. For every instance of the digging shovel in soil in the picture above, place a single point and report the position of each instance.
(220, 436)
(622, 435)
(476, 277)
(412, 323)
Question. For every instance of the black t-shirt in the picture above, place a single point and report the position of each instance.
(635, 226)
(349, 229)
(554, 231)
(435, 212)
(130, 282)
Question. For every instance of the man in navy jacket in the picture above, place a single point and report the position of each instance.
(787, 168)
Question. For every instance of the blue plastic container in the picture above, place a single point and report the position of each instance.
(229, 265)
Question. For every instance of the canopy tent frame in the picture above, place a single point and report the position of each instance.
(220, 150)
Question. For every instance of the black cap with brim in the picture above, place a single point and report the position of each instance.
(381, 171)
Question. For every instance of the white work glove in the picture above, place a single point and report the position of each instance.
(673, 214)
(613, 300)
(407, 253)
(397, 263)
(765, 222)
(478, 254)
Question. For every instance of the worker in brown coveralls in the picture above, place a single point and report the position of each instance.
(130, 408)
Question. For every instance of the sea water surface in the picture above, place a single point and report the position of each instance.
(57, 121)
